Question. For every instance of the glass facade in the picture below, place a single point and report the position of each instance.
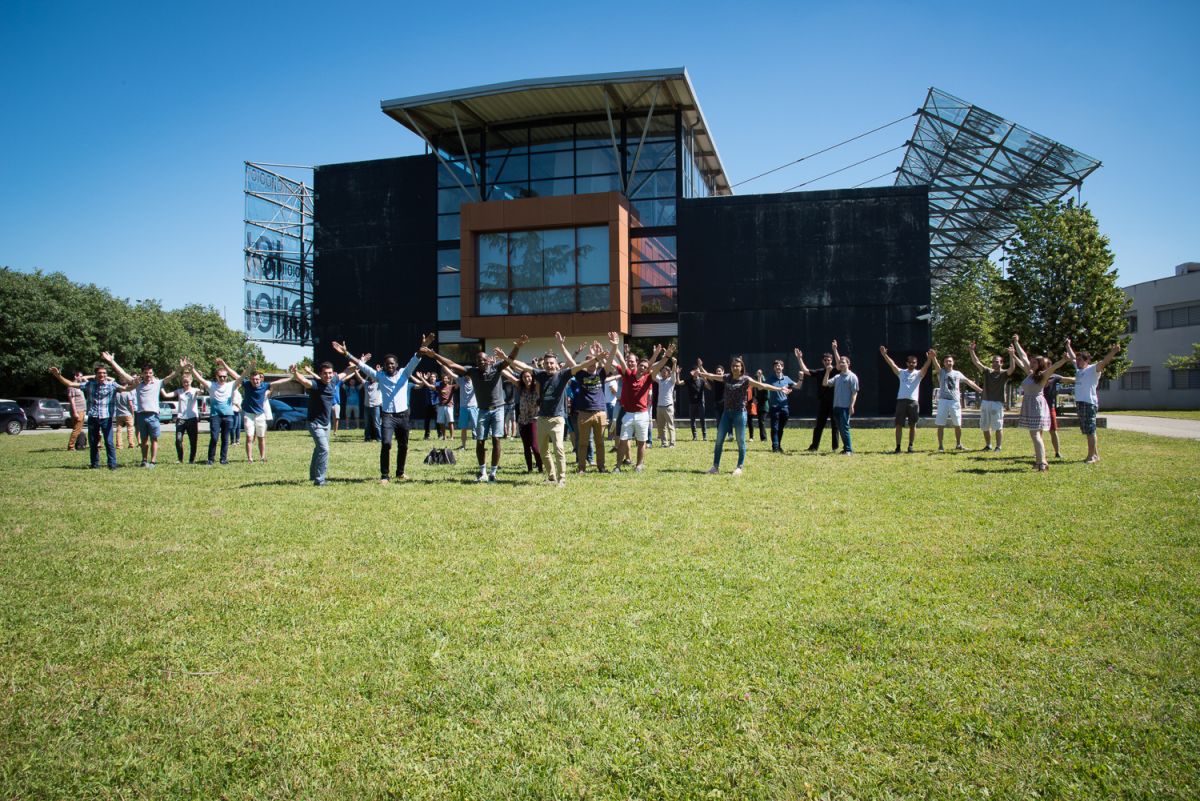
(448, 285)
(568, 158)
(554, 271)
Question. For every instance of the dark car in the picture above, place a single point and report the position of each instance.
(12, 417)
(286, 415)
(43, 412)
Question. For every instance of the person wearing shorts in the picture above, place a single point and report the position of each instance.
(1087, 378)
(637, 379)
(147, 394)
(949, 411)
(907, 394)
(254, 410)
(488, 376)
(991, 407)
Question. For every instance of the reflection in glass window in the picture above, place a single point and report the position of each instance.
(447, 284)
(450, 199)
(448, 227)
(544, 272)
(448, 261)
(555, 188)
(551, 165)
(655, 274)
(655, 212)
(449, 288)
(655, 300)
(508, 169)
(449, 309)
(652, 248)
(653, 184)
(594, 162)
(585, 184)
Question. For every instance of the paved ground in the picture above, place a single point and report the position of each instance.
(1162, 426)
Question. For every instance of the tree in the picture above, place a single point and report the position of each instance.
(1185, 362)
(966, 309)
(1061, 283)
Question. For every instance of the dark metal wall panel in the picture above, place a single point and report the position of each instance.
(376, 243)
(762, 274)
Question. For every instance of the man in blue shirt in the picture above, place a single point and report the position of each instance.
(845, 393)
(394, 413)
(101, 392)
(254, 407)
(777, 399)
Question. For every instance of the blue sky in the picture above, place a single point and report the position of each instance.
(125, 128)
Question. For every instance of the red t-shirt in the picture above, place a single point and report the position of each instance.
(635, 390)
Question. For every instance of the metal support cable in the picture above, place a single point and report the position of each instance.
(877, 177)
(848, 166)
(827, 149)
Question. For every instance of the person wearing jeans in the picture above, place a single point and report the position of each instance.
(845, 393)
(695, 391)
(101, 392)
(777, 399)
(394, 412)
(220, 407)
(733, 416)
(186, 418)
(320, 416)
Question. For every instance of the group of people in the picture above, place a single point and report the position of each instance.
(596, 391)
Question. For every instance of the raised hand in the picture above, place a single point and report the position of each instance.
(614, 337)
(1016, 338)
(971, 347)
(834, 344)
(365, 357)
(670, 348)
(883, 350)
(799, 353)
(428, 340)
(558, 336)
(55, 371)
(340, 347)
(425, 351)
(498, 353)
(108, 357)
(184, 363)
(1011, 350)
(521, 340)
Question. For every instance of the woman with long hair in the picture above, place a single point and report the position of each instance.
(528, 393)
(736, 385)
(1035, 413)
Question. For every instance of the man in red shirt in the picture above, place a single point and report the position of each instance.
(637, 380)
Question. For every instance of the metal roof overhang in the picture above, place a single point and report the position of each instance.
(537, 99)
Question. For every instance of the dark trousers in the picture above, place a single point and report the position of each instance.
(190, 427)
(779, 418)
(236, 436)
(395, 424)
(430, 416)
(371, 429)
(824, 415)
(101, 427)
(696, 409)
(219, 425)
(530, 445)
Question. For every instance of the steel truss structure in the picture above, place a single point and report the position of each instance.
(982, 171)
(278, 255)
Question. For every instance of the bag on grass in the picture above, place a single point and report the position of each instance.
(440, 456)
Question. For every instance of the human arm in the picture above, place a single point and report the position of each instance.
(827, 381)
(299, 378)
(562, 345)
(1108, 357)
(975, 358)
(666, 354)
(1052, 369)
(799, 354)
(1012, 361)
(1070, 354)
(883, 351)
(453, 367)
(232, 373)
(108, 357)
(853, 400)
(973, 385)
(62, 379)
(768, 387)
(837, 357)
(1021, 356)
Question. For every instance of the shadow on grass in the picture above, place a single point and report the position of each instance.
(296, 482)
(980, 471)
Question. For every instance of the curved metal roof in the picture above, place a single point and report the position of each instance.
(540, 99)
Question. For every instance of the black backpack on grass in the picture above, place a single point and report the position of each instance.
(440, 456)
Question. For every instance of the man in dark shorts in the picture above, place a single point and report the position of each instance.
(487, 376)
(907, 409)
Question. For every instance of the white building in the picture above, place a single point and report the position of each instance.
(1164, 322)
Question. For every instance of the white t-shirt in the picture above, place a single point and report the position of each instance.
(950, 384)
(910, 385)
(374, 393)
(466, 393)
(666, 392)
(1085, 385)
(147, 395)
(187, 402)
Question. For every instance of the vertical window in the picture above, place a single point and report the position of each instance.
(1185, 379)
(1136, 378)
(448, 285)
(655, 282)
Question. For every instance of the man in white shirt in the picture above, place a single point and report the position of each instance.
(147, 391)
(664, 410)
(949, 409)
(907, 409)
(1087, 377)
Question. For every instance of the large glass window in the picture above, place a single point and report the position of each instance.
(1136, 378)
(1185, 379)
(448, 286)
(655, 280)
(543, 272)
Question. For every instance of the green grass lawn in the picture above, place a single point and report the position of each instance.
(879, 626)
(1174, 414)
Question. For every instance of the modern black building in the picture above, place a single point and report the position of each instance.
(596, 203)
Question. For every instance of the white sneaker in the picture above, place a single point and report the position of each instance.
(737, 471)
(482, 477)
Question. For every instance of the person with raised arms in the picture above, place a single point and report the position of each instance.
(637, 377)
(488, 380)
(553, 381)
(777, 399)
(733, 415)
(907, 409)
(101, 392)
(148, 391)
(991, 405)
(395, 419)
(187, 414)
(695, 391)
(320, 389)
(949, 411)
(1035, 414)
(1087, 377)
(664, 410)
(255, 390)
(845, 394)
(220, 408)
(824, 403)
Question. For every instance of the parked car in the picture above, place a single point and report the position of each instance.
(12, 417)
(167, 411)
(43, 412)
(295, 401)
(286, 415)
